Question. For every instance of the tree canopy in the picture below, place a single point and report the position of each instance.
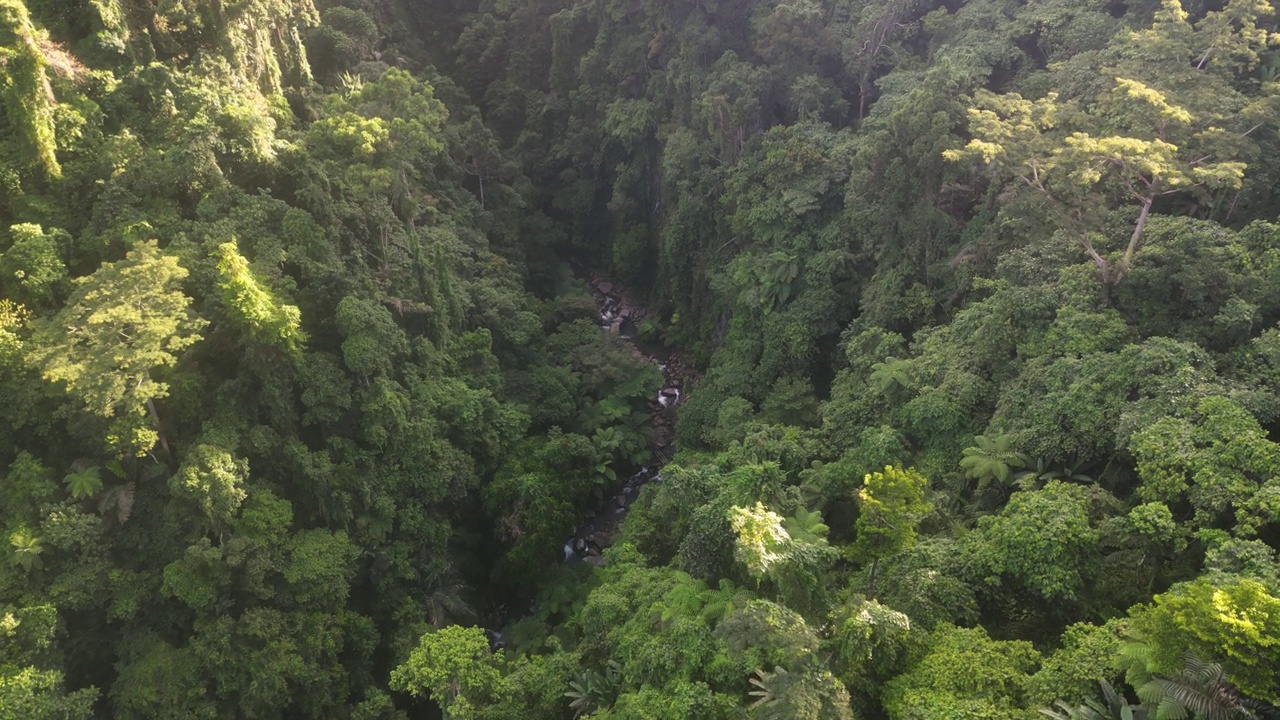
(788, 360)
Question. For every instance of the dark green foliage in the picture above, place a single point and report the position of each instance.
(1112, 706)
(298, 391)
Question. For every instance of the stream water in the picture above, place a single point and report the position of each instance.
(618, 315)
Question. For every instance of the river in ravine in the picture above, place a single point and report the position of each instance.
(618, 314)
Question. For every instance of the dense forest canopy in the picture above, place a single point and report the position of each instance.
(303, 383)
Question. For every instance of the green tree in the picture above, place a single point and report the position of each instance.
(964, 673)
(1237, 624)
(32, 269)
(891, 504)
(1159, 130)
(213, 480)
(454, 667)
(1216, 458)
(1042, 541)
(120, 326)
(265, 319)
(29, 689)
(25, 93)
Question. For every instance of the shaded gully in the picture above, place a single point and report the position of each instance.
(620, 315)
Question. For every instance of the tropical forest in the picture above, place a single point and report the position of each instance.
(640, 359)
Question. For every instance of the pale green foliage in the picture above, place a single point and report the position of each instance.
(27, 549)
(267, 320)
(964, 674)
(1237, 623)
(12, 318)
(31, 270)
(213, 480)
(25, 93)
(454, 667)
(760, 537)
(892, 504)
(1157, 131)
(122, 324)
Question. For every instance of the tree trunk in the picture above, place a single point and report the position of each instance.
(871, 581)
(1104, 268)
(155, 416)
(1135, 241)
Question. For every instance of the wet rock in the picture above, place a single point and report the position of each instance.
(614, 309)
(495, 640)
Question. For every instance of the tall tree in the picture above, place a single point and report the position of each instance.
(121, 325)
(1170, 121)
(891, 504)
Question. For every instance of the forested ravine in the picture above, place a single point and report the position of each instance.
(620, 315)
(972, 409)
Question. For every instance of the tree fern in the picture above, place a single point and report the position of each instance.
(890, 375)
(591, 690)
(1199, 689)
(1113, 706)
(83, 483)
(807, 526)
(118, 498)
(26, 550)
(992, 458)
(768, 686)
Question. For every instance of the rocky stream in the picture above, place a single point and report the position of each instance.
(619, 314)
